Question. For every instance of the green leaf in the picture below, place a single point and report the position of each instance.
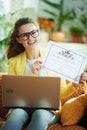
(66, 17)
(54, 5)
(50, 12)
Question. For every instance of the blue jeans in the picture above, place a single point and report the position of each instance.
(39, 120)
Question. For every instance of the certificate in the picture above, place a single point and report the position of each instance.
(63, 62)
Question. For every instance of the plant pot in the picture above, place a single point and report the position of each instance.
(85, 38)
(58, 36)
(76, 38)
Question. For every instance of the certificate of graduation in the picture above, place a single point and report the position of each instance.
(64, 62)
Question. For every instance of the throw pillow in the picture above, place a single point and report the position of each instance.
(73, 110)
(60, 127)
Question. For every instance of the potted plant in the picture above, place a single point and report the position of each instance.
(46, 25)
(83, 19)
(76, 34)
(60, 17)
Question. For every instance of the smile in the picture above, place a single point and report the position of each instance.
(31, 43)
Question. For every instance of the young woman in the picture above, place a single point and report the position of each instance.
(25, 58)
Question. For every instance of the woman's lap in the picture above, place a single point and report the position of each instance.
(38, 119)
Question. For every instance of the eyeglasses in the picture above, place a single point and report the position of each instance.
(25, 36)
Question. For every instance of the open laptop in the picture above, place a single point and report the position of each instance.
(30, 92)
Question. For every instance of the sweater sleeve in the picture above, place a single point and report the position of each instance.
(11, 67)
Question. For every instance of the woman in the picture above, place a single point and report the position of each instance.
(25, 58)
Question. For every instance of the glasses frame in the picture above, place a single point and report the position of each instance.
(25, 36)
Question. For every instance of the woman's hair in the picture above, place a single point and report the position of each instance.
(14, 47)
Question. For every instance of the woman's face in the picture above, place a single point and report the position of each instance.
(28, 35)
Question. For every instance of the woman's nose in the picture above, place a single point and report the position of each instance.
(29, 37)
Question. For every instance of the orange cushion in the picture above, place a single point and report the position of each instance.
(60, 127)
(73, 110)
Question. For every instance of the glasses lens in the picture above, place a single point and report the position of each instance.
(34, 33)
(24, 36)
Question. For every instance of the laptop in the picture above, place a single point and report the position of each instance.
(30, 92)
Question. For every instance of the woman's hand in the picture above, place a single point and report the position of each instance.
(36, 67)
(83, 78)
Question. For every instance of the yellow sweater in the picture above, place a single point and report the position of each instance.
(17, 64)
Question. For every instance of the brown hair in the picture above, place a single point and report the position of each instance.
(14, 47)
